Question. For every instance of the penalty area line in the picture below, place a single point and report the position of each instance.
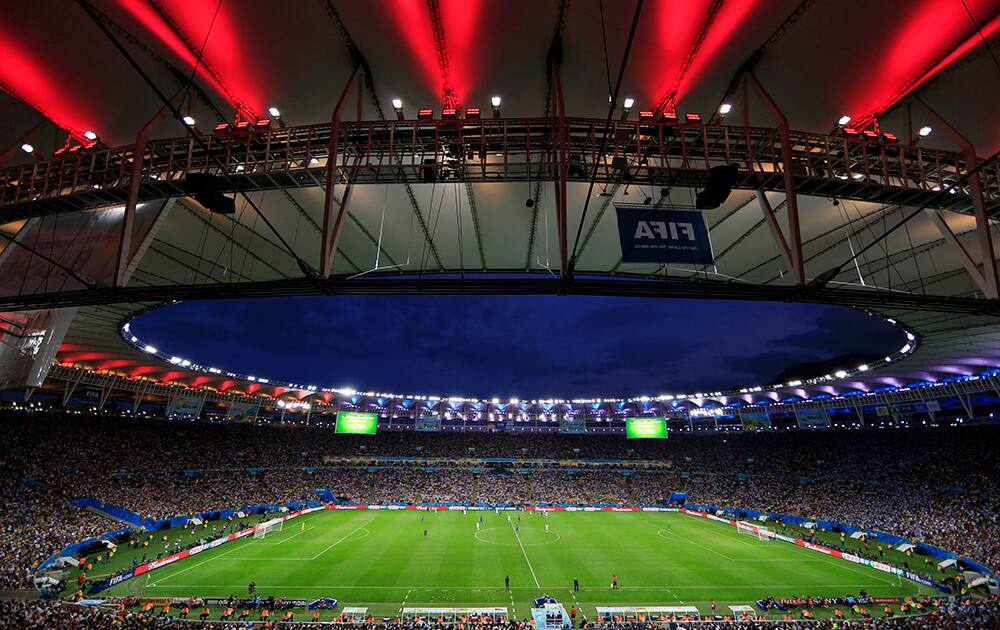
(343, 538)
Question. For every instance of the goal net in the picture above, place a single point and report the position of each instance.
(263, 529)
(760, 533)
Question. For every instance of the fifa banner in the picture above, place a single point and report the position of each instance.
(429, 423)
(357, 422)
(646, 428)
(29, 341)
(572, 425)
(755, 420)
(241, 412)
(653, 235)
(812, 418)
(185, 407)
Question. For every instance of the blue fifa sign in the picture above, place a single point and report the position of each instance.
(653, 235)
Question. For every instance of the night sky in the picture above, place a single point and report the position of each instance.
(530, 347)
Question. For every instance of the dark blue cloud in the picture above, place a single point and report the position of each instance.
(526, 346)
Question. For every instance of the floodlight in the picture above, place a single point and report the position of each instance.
(844, 120)
(274, 111)
(188, 120)
(925, 131)
(90, 135)
(27, 148)
(725, 108)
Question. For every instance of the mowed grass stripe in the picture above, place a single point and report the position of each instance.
(384, 558)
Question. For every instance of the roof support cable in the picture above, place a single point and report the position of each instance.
(916, 262)
(827, 276)
(604, 134)
(306, 269)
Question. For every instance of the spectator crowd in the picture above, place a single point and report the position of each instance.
(936, 485)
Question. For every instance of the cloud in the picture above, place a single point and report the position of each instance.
(529, 346)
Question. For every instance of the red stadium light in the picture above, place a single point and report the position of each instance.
(221, 127)
(851, 131)
(449, 113)
(472, 112)
(646, 115)
(262, 124)
(693, 118)
(889, 137)
(243, 125)
(670, 118)
(425, 114)
(871, 134)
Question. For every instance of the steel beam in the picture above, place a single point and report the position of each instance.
(124, 259)
(332, 224)
(791, 198)
(983, 232)
(776, 233)
(963, 254)
(561, 183)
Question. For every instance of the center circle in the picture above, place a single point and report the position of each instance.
(530, 537)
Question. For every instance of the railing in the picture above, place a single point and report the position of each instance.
(498, 150)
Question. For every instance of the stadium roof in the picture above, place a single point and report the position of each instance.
(817, 61)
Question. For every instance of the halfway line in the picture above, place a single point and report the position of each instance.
(521, 545)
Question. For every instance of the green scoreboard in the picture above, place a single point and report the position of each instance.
(355, 422)
(646, 427)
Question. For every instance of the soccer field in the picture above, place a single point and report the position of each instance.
(384, 560)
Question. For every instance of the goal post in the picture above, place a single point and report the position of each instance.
(263, 529)
(762, 534)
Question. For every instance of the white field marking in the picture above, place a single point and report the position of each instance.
(405, 597)
(272, 558)
(519, 588)
(814, 555)
(660, 531)
(284, 540)
(502, 544)
(186, 569)
(343, 538)
(530, 568)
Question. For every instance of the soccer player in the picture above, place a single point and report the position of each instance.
(576, 585)
(506, 583)
(614, 582)
(425, 532)
(546, 528)
(303, 528)
(477, 527)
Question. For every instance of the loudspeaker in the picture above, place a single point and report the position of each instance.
(720, 184)
(207, 192)
(429, 171)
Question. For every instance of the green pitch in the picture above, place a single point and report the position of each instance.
(384, 560)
